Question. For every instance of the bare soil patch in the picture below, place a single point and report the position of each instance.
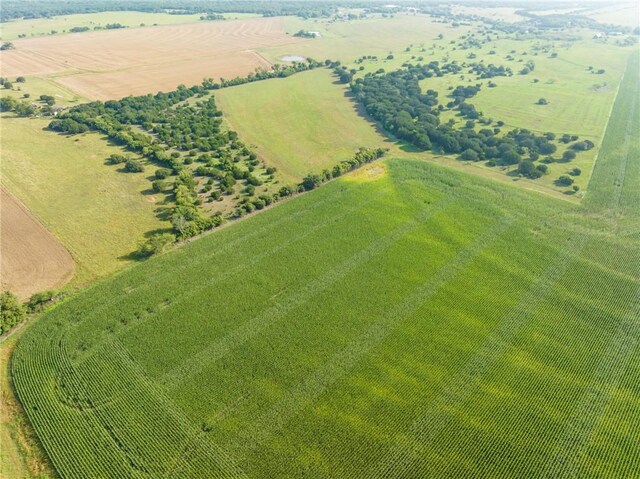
(31, 258)
(112, 64)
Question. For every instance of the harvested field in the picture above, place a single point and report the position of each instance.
(112, 64)
(31, 258)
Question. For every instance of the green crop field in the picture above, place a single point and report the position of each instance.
(405, 321)
(299, 124)
(98, 214)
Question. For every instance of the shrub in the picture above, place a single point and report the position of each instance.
(133, 166)
(159, 186)
(469, 155)
(38, 301)
(311, 181)
(568, 155)
(162, 173)
(116, 159)
(575, 172)
(156, 244)
(11, 311)
(564, 180)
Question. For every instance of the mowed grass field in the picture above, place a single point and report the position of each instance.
(99, 214)
(300, 124)
(403, 321)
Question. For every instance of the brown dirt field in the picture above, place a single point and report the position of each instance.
(31, 258)
(115, 63)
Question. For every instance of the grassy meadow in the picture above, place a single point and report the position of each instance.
(406, 320)
(299, 124)
(99, 214)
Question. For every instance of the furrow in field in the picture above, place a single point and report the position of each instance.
(431, 421)
(256, 325)
(257, 432)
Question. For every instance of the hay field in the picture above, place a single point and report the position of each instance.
(31, 258)
(116, 63)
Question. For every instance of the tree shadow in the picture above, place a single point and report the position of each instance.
(386, 136)
(136, 255)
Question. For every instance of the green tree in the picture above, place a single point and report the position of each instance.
(133, 166)
(564, 180)
(11, 311)
(156, 244)
(311, 181)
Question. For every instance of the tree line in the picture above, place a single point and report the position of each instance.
(396, 101)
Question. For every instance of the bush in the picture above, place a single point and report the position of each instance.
(116, 159)
(11, 311)
(469, 155)
(162, 173)
(159, 186)
(542, 101)
(575, 172)
(311, 181)
(582, 145)
(156, 244)
(527, 168)
(21, 79)
(133, 166)
(568, 155)
(564, 180)
(39, 301)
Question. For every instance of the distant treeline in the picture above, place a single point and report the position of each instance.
(14, 9)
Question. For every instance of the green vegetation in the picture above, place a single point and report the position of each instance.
(300, 124)
(12, 312)
(98, 214)
(405, 320)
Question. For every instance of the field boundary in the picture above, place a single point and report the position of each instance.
(606, 125)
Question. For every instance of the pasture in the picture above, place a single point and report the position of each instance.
(108, 65)
(31, 258)
(348, 40)
(565, 81)
(98, 214)
(403, 321)
(300, 124)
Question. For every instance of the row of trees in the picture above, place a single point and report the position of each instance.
(13, 312)
(13, 9)
(181, 132)
(311, 181)
(396, 101)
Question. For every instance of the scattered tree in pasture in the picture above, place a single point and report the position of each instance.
(133, 166)
(564, 180)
